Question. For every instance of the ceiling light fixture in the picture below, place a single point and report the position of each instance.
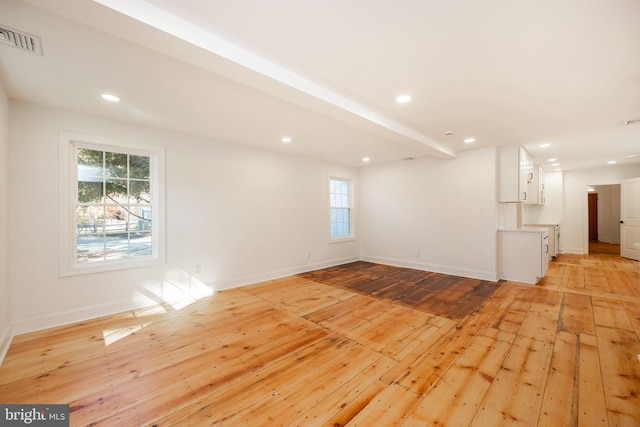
(365, 159)
(545, 145)
(630, 156)
(401, 99)
(286, 140)
(555, 164)
(553, 159)
(611, 162)
(469, 140)
(110, 98)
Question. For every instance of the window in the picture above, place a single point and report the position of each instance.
(113, 206)
(340, 208)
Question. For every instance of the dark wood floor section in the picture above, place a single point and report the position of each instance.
(425, 291)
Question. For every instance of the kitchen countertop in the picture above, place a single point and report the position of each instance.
(529, 229)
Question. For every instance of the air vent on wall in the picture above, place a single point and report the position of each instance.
(632, 122)
(20, 39)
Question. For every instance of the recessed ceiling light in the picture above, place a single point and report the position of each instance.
(555, 164)
(552, 159)
(558, 170)
(469, 140)
(630, 156)
(545, 145)
(365, 159)
(611, 162)
(401, 99)
(110, 98)
(286, 140)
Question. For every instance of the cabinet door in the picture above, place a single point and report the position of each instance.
(541, 184)
(526, 177)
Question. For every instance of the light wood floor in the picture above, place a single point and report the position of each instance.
(357, 345)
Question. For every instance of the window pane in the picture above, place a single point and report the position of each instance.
(90, 162)
(117, 246)
(90, 192)
(141, 244)
(89, 234)
(139, 220)
(139, 192)
(115, 164)
(116, 233)
(334, 230)
(116, 190)
(139, 167)
(90, 176)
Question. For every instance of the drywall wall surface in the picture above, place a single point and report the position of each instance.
(5, 292)
(432, 214)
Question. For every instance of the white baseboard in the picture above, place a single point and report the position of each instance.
(75, 315)
(573, 251)
(491, 276)
(5, 341)
(92, 312)
(277, 274)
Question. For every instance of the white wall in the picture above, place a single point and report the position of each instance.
(551, 211)
(431, 214)
(242, 214)
(5, 294)
(575, 232)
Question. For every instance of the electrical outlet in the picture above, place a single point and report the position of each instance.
(418, 254)
(197, 269)
(308, 255)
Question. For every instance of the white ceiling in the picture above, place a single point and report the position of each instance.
(564, 72)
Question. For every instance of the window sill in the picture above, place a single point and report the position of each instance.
(106, 267)
(342, 239)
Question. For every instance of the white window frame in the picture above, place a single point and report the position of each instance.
(351, 235)
(69, 143)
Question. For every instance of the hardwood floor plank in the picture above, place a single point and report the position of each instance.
(388, 408)
(515, 395)
(577, 314)
(618, 350)
(592, 407)
(560, 399)
(339, 407)
(541, 319)
(455, 400)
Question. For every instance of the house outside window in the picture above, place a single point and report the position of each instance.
(340, 207)
(112, 206)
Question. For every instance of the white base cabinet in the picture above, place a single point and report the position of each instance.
(523, 254)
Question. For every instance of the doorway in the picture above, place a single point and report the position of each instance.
(593, 217)
(604, 219)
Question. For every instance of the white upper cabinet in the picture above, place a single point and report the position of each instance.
(516, 175)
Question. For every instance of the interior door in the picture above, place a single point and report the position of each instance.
(630, 221)
(593, 216)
